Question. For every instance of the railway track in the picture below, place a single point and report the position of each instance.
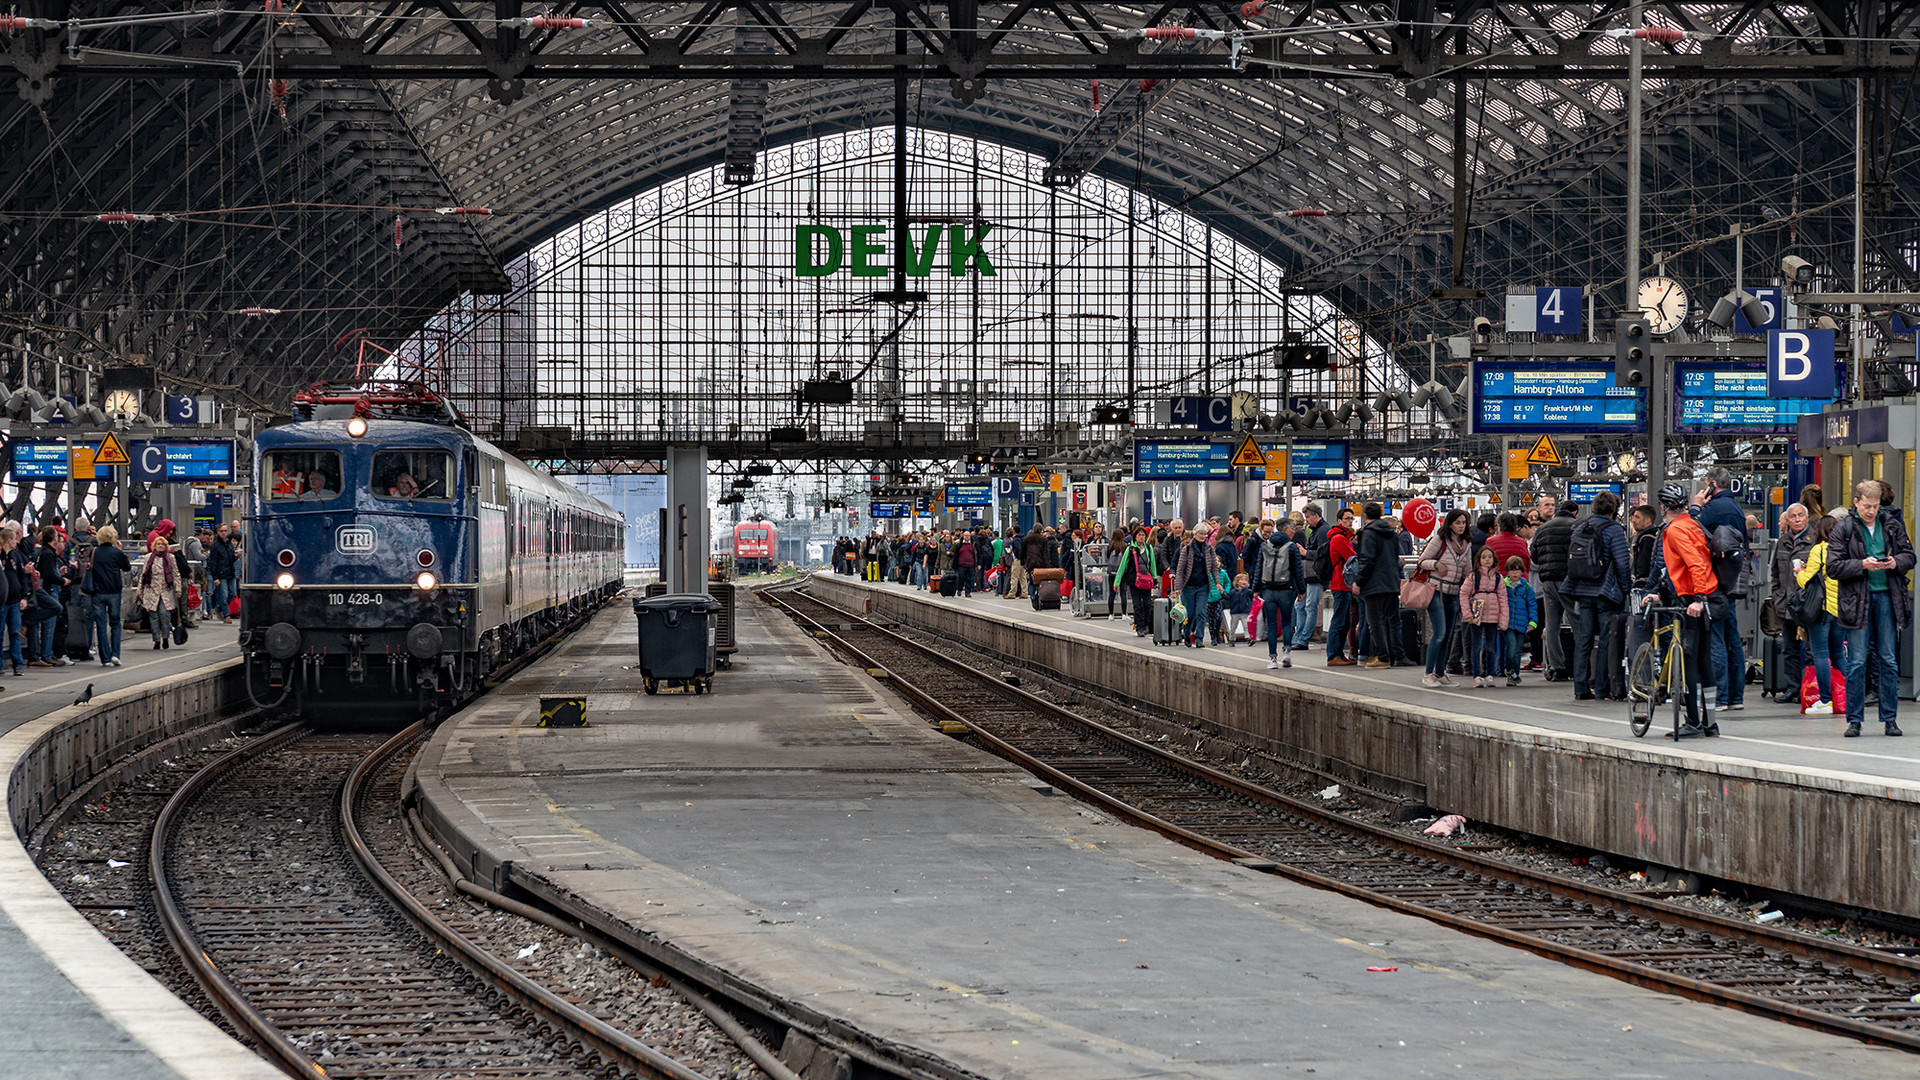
(1825, 985)
(326, 963)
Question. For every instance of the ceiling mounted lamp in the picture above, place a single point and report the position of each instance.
(1739, 300)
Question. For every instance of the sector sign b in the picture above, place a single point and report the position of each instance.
(1800, 364)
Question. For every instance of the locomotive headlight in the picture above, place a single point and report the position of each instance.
(284, 581)
(357, 426)
(426, 582)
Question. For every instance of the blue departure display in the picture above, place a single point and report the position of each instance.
(969, 493)
(1727, 397)
(1538, 397)
(183, 461)
(39, 459)
(890, 510)
(1583, 493)
(1182, 460)
(1312, 461)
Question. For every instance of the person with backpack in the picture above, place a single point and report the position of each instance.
(963, 556)
(1447, 562)
(1549, 551)
(1522, 613)
(1869, 554)
(1314, 555)
(1281, 573)
(1725, 525)
(1817, 612)
(1376, 576)
(1684, 568)
(1599, 575)
(1137, 570)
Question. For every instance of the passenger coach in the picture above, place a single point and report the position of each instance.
(395, 551)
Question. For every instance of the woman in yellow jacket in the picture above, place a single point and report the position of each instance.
(1825, 639)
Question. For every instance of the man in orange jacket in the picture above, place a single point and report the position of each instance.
(1688, 564)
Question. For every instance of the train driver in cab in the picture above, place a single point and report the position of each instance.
(317, 486)
(287, 482)
(404, 487)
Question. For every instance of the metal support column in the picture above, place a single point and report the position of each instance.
(1656, 383)
(683, 548)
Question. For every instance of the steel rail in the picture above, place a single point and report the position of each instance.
(1625, 970)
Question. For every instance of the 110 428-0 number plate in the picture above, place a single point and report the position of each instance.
(355, 599)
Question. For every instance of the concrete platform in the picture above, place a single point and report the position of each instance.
(72, 1005)
(803, 834)
(1779, 800)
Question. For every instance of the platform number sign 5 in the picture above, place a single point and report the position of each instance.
(1770, 298)
(1557, 310)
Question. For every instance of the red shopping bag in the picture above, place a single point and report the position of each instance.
(1253, 621)
(1810, 690)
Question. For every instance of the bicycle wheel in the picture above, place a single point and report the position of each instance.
(1643, 685)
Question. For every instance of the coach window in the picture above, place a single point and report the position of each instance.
(413, 474)
(294, 475)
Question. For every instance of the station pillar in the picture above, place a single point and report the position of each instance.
(684, 540)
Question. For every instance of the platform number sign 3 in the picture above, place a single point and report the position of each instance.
(1557, 310)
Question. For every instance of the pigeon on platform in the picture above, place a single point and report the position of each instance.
(85, 695)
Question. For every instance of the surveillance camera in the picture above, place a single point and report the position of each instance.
(1796, 270)
(1482, 326)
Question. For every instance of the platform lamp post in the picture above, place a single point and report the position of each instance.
(1655, 375)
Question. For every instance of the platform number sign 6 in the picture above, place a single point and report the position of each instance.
(1557, 309)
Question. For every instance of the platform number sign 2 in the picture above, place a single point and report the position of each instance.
(1557, 310)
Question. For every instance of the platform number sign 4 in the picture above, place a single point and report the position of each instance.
(1208, 413)
(1557, 310)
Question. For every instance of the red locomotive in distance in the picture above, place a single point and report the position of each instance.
(756, 547)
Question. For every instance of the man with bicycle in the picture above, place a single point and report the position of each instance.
(1685, 563)
(1869, 554)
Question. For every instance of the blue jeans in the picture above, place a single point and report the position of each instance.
(103, 610)
(1481, 656)
(1276, 611)
(1194, 599)
(16, 637)
(1512, 641)
(1337, 625)
(1880, 630)
(222, 594)
(1306, 612)
(1729, 663)
(1827, 641)
(1444, 613)
(41, 632)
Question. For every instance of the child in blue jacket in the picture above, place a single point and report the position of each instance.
(1523, 614)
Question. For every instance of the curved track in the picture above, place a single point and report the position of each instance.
(1829, 986)
(330, 966)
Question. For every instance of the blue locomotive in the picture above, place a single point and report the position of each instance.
(394, 555)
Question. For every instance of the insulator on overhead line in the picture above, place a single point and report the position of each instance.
(1096, 95)
(256, 312)
(21, 22)
(1662, 35)
(1148, 84)
(280, 97)
(1169, 33)
(272, 7)
(555, 22)
(119, 218)
(396, 232)
(1306, 213)
(480, 210)
(1253, 9)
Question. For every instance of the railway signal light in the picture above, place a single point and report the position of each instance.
(1632, 352)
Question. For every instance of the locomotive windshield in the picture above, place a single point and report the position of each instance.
(301, 474)
(413, 474)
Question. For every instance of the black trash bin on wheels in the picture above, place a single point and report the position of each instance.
(676, 640)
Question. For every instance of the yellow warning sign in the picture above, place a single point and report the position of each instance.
(1247, 454)
(1544, 452)
(80, 463)
(112, 452)
(1517, 468)
(1033, 476)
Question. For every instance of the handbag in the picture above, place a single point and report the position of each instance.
(179, 631)
(1416, 592)
(1810, 605)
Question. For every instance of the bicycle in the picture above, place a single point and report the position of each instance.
(1658, 673)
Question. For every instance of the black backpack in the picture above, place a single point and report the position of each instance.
(1323, 562)
(1728, 547)
(1586, 553)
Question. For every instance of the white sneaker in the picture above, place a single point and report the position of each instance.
(1429, 681)
(1273, 665)
(1447, 680)
(1818, 708)
(115, 661)
(1286, 659)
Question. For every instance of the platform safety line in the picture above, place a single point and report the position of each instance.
(97, 676)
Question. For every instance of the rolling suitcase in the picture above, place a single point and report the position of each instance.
(1164, 628)
(1046, 596)
(75, 644)
(949, 583)
(1780, 674)
(1413, 630)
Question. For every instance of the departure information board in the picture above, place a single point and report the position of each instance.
(1312, 461)
(969, 493)
(1183, 459)
(890, 510)
(1534, 397)
(1711, 397)
(39, 459)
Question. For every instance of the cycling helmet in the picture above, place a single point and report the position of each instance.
(1674, 495)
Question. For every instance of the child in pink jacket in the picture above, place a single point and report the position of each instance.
(1483, 613)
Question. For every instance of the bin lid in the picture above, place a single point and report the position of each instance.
(691, 602)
